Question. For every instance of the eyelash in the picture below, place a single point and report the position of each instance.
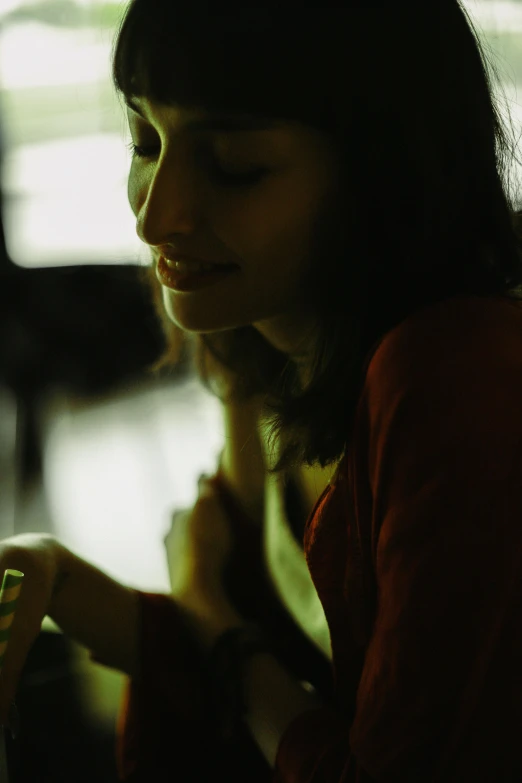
(224, 178)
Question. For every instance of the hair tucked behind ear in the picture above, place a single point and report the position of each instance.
(424, 211)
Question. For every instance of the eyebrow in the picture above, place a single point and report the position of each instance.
(220, 122)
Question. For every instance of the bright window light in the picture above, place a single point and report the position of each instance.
(65, 162)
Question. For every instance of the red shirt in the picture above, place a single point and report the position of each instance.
(416, 555)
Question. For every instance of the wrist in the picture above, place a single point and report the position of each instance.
(208, 619)
(228, 668)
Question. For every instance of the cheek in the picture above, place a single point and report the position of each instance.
(278, 229)
(277, 216)
(131, 193)
(136, 191)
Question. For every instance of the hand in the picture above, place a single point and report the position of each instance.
(199, 545)
(36, 556)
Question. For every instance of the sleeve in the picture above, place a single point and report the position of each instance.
(168, 694)
(440, 696)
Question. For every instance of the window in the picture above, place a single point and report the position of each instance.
(63, 132)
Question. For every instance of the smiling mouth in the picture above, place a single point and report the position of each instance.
(191, 280)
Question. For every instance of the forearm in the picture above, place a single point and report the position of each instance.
(97, 612)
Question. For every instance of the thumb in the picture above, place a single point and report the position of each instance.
(205, 483)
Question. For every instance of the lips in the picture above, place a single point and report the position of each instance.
(171, 258)
(185, 281)
(192, 265)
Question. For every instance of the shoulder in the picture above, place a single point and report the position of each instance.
(454, 338)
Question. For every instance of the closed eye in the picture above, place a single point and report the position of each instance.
(220, 175)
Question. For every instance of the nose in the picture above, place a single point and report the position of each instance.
(168, 203)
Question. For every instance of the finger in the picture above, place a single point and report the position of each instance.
(175, 514)
(205, 484)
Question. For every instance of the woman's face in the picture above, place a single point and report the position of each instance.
(265, 227)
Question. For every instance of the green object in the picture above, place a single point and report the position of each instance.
(9, 592)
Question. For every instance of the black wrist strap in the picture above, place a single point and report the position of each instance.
(225, 664)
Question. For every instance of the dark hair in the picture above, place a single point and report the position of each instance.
(423, 211)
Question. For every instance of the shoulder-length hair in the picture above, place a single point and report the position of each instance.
(424, 212)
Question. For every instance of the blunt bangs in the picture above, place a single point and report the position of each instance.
(229, 61)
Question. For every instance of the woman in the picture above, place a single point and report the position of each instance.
(344, 172)
(371, 304)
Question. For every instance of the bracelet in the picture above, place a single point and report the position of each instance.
(226, 661)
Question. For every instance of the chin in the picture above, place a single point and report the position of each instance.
(195, 320)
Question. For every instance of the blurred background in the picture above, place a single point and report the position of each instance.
(91, 449)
